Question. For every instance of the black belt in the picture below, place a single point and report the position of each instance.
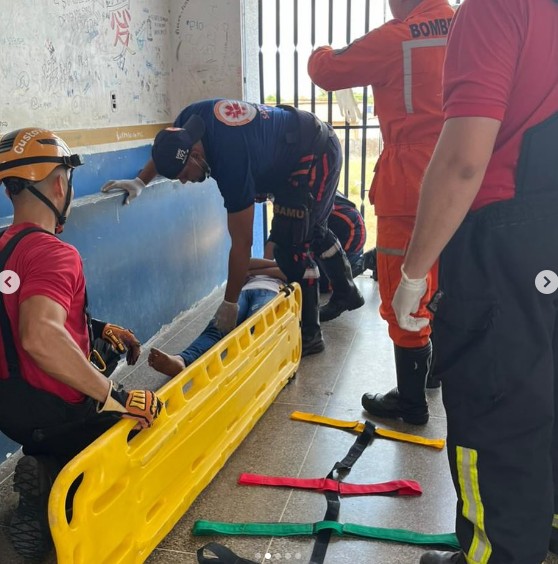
(311, 133)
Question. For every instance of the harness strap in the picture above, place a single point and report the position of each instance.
(398, 487)
(308, 123)
(202, 528)
(357, 427)
(89, 321)
(10, 350)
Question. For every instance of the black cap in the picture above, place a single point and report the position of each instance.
(171, 147)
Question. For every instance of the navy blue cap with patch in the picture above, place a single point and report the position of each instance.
(171, 147)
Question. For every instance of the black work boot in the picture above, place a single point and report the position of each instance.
(553, 546)
(366, 261)
(346, 296)
(437, 557)
(369, 262)
(408, 400)
(312, 341)
(29, 529)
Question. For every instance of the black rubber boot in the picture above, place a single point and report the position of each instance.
(437, 557)
(408, 400)
(370, 262)
(346, 296)
(312, 340)
(29, 529)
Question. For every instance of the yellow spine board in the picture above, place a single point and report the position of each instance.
(358, 427)
(133, 493)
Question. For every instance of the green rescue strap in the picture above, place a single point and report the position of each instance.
(202, 528)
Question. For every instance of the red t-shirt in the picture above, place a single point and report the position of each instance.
(501, 63)
(47, 267)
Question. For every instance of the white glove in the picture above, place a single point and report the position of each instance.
(226, 316)
(132, 187)
(348, 106)
(407, 300)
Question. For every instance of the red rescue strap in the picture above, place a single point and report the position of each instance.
(398, 487)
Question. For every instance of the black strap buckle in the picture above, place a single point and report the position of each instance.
(73, 161)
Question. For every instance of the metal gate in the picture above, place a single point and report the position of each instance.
(288, 30)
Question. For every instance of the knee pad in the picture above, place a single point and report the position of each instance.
(297, 265)
(326, 245)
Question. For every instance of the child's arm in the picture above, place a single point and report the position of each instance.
(271, 271)
(258, 264)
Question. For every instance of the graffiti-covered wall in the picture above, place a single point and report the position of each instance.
(74, 64)
(107, 75)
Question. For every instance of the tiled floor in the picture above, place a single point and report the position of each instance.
(358, 358)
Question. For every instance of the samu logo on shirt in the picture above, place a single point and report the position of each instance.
(234, 112)
(291, 213)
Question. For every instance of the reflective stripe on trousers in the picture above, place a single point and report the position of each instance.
(473, 509)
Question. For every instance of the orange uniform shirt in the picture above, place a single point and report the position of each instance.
(403, 62)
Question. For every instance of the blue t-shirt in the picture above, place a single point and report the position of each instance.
(244, 144)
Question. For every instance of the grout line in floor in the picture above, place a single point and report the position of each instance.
(340, 372)
(277, 402)
(172, 551)
(2, 482)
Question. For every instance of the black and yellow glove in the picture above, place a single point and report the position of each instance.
(122, 341)
(142, 406)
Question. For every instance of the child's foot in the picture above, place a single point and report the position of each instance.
(167, 364)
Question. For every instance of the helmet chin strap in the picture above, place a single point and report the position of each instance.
(61, 217)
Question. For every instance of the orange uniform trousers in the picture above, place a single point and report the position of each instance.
(393, 237)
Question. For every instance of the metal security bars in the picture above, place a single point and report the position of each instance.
(308, 18)
(287, 32)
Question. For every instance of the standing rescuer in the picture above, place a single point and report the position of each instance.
(403, 61)
(53, 401)
(489, 201)
(250, 150)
